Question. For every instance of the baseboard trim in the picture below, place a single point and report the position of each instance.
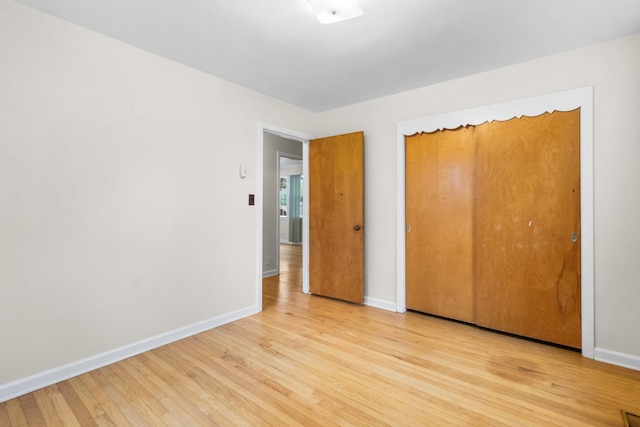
(270, 273)
(616, 358)
(43, 379)
(378, 303)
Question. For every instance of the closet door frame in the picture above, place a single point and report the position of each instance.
(560, 101)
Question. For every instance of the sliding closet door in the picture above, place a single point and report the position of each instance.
(440, 172)
(528, 227)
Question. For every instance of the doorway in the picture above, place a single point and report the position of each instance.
(290, 234)
(342, 147)
(282, 218)
(290, 198)
(267, 200)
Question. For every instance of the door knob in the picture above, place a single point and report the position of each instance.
(357, 228)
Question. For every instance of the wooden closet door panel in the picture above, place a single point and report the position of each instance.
(528, 206)
(440, 171)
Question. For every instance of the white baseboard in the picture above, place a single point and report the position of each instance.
(43, 379)
(378, 303)
(616, 358)
(269, 273)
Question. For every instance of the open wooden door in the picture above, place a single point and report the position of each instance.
(336, 223)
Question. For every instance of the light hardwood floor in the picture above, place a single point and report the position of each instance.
(313, 361)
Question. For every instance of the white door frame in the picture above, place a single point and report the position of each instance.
(304, 139)
(561, 101)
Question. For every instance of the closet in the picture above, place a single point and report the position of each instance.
(493, 225)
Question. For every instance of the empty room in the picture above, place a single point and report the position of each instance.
(457, 243)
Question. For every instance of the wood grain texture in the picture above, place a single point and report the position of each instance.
(528, 206)
(336, 206)
(313, 361)
(440, 209)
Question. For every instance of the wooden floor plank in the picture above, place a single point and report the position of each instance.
(243, 389)
(307, 360)
(73, 403)
(92, 406)
(47, 408)
(190, 394)
(104, 404)
(15, 414)
(125, 377)
(31, 410)
(4, 415)
(67, 415)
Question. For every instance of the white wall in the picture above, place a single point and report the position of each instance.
(117, 168)
(271, 185)
(284, 229)
(613, 69)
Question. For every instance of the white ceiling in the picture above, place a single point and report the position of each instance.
(277, 47)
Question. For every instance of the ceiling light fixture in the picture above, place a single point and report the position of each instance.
(330, 11)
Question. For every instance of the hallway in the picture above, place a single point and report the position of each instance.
(282, 288)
